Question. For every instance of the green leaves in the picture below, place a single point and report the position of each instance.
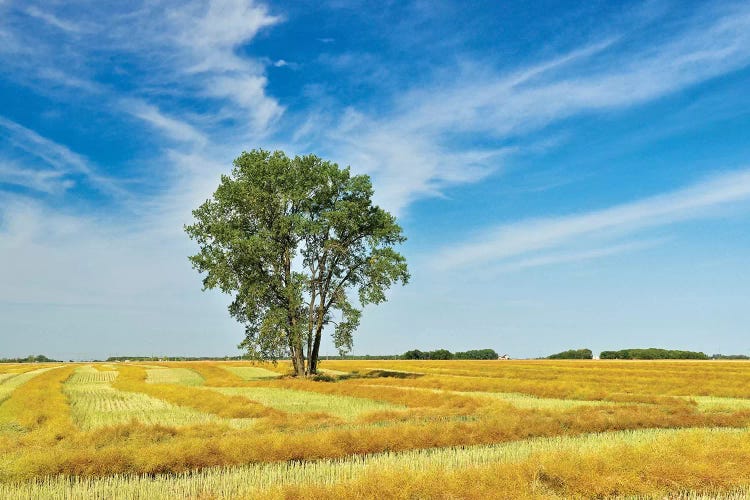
(288, 238)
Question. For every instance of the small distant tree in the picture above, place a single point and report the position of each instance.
(477, 354)
(289, 238)
(440, 354)
(573, 354)
(414, 354)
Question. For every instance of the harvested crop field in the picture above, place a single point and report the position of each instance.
(451, 429)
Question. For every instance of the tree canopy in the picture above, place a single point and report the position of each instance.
(290, 239)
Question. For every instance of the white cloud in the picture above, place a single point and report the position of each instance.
(85, 286)
(208, 36)
(188, 49)
(247, 91)
(45, 181)
(53, 20)
(74, 259)
(574, 256)
(601, 76)
(212, 31)
(58, 156)
(176, 129)
(523, 238)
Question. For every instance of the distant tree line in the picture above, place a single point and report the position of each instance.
(573, 354)
(176, 358)
(240, 358)
(361, 357)
(652, 353)
(446, 354)
(29, 359)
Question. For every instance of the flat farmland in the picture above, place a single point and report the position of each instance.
(373, 429)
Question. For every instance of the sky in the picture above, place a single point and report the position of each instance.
(568, 175)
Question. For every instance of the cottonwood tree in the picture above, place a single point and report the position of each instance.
(293, 239)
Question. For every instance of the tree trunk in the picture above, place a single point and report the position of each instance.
(296, 344)
(310, 325)
(313, 356)
(298, 361)
(296, 351)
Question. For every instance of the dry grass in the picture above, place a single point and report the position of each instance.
(535, 467)
(520, 400)
(476, 406)
(606, 471)
(574, 379)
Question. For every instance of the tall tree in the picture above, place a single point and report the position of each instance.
(292, 239)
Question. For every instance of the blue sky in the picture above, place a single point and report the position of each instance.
(568, 175)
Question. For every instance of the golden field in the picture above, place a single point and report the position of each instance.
(374, 429)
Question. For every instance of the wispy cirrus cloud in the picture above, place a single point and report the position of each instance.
(44, 181)
(170, 51)
(524, 242)
(416, 148)
(602, 76)
(419, 147)
(53, 20)
(65, 162)
(178, 130)
(572, 256)
(208, 37)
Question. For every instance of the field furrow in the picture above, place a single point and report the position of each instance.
(95, 403)
(11, 381)
(252, 372)
(294, 401)
(181, 376)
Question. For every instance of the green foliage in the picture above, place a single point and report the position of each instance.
(652, 353)
(573, 354)
(273, 209)
(441, 354)
(477, 354)
(437, 354)
(446, 354)
(29, 359)
(176, 358)
(730, 356)
(414, 354)
(365, 356)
